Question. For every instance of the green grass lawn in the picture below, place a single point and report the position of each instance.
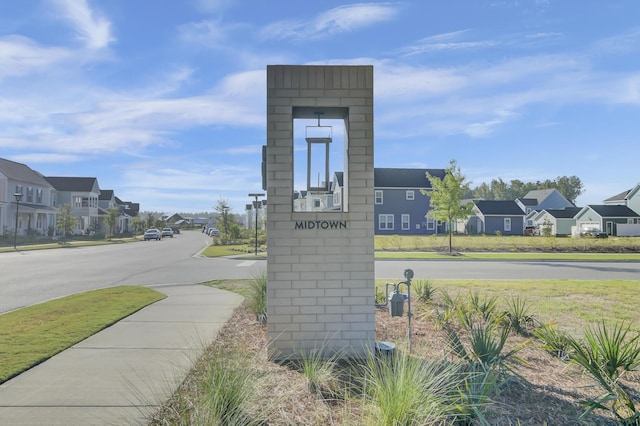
(570, 304)
(31, 335)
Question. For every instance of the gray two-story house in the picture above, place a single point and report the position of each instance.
(82, 194)
(400, 206)
(35, 202)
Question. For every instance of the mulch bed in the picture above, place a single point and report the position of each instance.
(548, 391)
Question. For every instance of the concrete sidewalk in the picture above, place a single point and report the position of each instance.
(121, 375)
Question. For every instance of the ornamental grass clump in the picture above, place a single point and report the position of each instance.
(257, 297)
(404, 390)
(320, 370)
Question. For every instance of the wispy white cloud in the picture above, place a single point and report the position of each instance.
(43, 157)
(626, 42)
(446, 42)
(209, 34)
(334, 21)
(20, 55)
(92, 28)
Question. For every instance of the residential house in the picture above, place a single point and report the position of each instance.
(629, 198)
(540, 199)
(496, 216)
(107, 200)
(37, 207)
(400, 207)
(82, 194)
(605, 217)
(129, 210)
(559, 222)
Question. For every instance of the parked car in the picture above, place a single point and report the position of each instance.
(213, 232)
(594, 233)
(176, 230)
(152, 234)
(167, 232)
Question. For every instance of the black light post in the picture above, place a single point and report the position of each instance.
(18, 196)
(255, 205)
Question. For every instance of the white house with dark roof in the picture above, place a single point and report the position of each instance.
(605, 218)
(82, 194)
(37, 208)
(560, 221)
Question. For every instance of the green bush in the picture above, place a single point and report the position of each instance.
(606, 354)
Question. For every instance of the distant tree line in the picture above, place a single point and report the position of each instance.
(570, 187)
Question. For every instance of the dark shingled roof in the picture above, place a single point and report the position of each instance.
(613, 211)
(105, 194)
(21, 173)
(619, 197)
(405, 178)
(80, 184)
(529, 201)
(499, 207)
(567, 213)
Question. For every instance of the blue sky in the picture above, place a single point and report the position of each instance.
(164, 101)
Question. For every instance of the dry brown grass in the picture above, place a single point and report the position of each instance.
(548, 392)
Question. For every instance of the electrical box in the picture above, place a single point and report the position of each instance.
(396, 304)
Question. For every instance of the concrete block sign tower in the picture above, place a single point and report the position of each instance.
(320, 232)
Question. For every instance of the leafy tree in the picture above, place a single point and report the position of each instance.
(135, 222)
(151, 221)
(446, 196)
(111, 219)
(225, 218)
(570, 186)
(65, 221)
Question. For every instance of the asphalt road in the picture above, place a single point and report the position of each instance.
(31, 277)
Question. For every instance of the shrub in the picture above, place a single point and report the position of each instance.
(517, 315)
(424, 290)
(606, 355)
(554, 341)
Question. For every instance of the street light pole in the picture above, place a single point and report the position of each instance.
(255, 206)
(18, 196)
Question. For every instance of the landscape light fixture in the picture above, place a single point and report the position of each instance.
(255, 206)
(18, 196)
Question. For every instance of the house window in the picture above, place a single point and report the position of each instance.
(507, 224)
(378, 197)
(77, 201)
(411, 196)
(54, 199)
(385, 222)
(405, 221)
(431, 223)
(39, 196)
(19, 189)
(29, 194)
(316, 203)
(630, 221)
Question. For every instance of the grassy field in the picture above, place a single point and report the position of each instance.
(31, 335)
(512, 243)
(572, 305)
